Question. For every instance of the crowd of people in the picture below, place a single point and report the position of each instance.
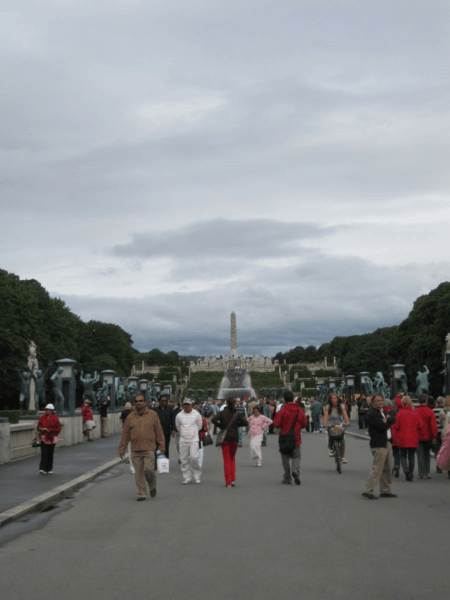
(399, 432)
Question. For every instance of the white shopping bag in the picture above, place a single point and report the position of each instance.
(163, 464)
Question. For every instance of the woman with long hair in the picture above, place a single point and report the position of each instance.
(230, 419)
(335, 414)
(258, 423)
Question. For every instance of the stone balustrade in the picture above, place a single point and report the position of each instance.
(15, 440)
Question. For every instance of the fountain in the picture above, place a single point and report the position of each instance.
(236, 383)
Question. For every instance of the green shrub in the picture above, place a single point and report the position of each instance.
(12, 415)
(325, 372)
(265, 380)
(204, 380)
(302, 372)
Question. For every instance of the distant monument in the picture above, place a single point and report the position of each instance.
(233, 343)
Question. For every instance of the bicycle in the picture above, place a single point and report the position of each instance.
(336, 433)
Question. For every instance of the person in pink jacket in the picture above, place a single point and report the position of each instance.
(258, 423)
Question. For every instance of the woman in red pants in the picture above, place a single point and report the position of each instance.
(229, 418)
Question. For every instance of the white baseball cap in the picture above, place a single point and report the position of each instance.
(50, 407)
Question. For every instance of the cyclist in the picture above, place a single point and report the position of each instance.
(335, 414)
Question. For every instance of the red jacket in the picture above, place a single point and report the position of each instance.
(285, 418)
(427, 423)
(86, 413)
(52, 424)
(405, 430)
(203, 431)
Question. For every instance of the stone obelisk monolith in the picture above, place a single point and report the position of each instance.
(233, 345)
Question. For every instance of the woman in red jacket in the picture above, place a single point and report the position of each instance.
(49, 426)
(88, 419)
(405, 432)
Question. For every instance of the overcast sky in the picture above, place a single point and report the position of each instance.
(165, 162)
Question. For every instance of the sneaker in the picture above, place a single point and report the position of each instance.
(186, 481)
(233, 483)
(42, 472)
(197, 480)
(344, 461)
(331, 453)
(49, 472)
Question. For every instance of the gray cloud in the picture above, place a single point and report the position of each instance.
(162, 164)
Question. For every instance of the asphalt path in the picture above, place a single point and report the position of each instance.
(258, 540)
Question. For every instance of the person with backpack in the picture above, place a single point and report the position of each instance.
(290, 419)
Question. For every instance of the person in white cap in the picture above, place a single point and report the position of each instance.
(48, 426)
(188, 423)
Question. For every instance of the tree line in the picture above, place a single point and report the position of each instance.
(27, 312)
(418, 340)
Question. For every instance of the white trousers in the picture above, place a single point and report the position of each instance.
(189, 460)
(255, 448)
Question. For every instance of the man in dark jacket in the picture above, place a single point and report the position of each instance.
(291, 415)
(167, 420)
(380, 445)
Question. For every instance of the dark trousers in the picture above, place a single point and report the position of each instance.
(396, 455)
(47, 451)
(315, 423)
(407, 458)
(423, 457)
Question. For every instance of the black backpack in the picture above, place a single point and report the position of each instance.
(206, 411)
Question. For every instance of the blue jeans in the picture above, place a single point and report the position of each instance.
(240, 435)
(315, 422)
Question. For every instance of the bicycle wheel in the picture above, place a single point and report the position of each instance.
(337, 456)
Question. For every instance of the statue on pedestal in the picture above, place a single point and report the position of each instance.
(404, 383)
(132, 392)
(88, 385)
(422, 381)
(341, 389)
(24, 397)
(57, 390)
(378, 384)
(120, 392)
(39, 381)
(368, 386)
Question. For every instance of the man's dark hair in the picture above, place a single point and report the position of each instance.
(288, 396)
(163, 396)
(422, 398)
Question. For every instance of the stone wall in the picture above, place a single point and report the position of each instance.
(15, 440)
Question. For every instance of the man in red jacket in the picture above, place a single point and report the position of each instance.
(291, 415)
(427, 435)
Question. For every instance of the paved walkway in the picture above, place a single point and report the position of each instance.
(259, 540)
(21, 481)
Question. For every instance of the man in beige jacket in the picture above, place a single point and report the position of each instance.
(143, 429)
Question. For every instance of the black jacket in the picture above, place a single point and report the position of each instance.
(378, 428)
(166, 418)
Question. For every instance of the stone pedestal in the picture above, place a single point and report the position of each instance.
(5, 441)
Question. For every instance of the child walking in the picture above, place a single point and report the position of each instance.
(258, 423)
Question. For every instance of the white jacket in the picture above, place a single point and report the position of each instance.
(188, 425)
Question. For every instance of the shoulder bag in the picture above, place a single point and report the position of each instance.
(221, 435)
(286, 441)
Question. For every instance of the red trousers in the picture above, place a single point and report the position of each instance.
(229, 464)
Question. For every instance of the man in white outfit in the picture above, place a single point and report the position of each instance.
(188, 423)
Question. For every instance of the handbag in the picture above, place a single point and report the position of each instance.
(286, 441)
(36, 443)
(207, 440)
(221, 435)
